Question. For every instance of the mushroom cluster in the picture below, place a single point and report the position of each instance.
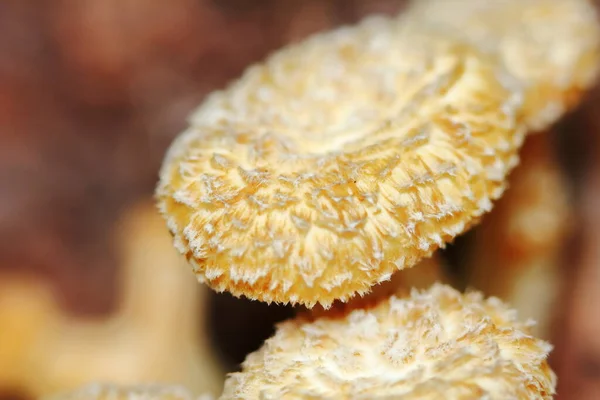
(357, 153)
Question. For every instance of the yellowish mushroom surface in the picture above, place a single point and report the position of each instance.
(434, 344)
(137, 392)
(339, 161)
(427, 272)
(552, 46)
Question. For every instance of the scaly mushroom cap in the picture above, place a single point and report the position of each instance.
(434, 344)
(339, 161)
(139, 392)
(552, 46)
(425, 273)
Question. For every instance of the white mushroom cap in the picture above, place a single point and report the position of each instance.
(435, 344)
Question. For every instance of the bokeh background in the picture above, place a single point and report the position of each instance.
(91, 94)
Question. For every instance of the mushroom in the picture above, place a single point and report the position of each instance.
(551, 46)
(138, 392)
(28, 312)
(436, 343)
(156, 334)
(427, 272)
(338, 161)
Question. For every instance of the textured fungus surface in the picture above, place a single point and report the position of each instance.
(552, 46)
(434, 344)
(424, 274)
(339, 161)
(140, 392)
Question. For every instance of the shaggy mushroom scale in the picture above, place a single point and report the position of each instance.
(434, 344)
(339, 161)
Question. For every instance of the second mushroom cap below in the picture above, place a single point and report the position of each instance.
(433, 344)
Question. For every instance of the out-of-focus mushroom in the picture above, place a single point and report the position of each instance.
(339, 161)
(154, 336)
(518, 249)
(28, 312)
(551, 46)
(437, 343)
(138, 392)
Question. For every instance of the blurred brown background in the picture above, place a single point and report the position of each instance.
(93, 91)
